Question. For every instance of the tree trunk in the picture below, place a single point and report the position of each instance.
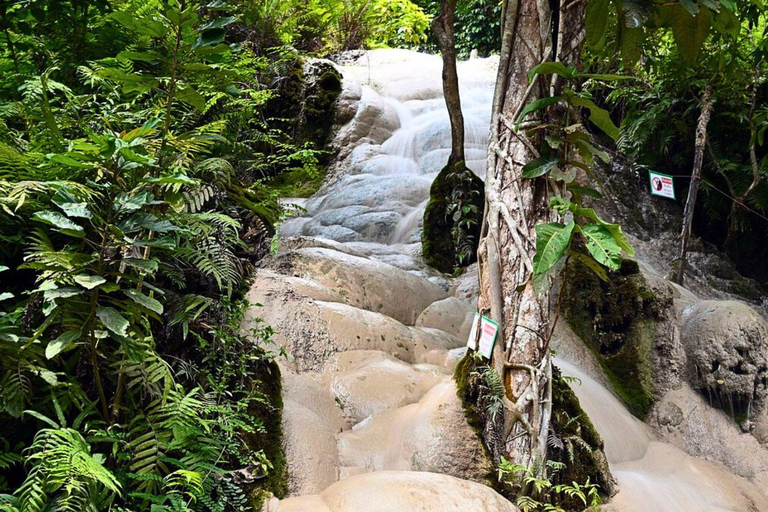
(532, 33)
(693, 188)
(443, 27)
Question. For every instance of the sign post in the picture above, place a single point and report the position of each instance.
(662, 185)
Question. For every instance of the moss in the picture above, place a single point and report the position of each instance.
(617, 320)
(307, 103)
(269, 411)
(468, 394)
(454, 183)
(578, 445)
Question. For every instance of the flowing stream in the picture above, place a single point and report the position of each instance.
(386, 419)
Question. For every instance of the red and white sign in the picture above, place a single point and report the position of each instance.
(662, 185)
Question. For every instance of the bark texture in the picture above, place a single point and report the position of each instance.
(693, 188)
(533, 32)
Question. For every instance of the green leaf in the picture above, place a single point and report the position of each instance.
(70, 205)
(596, 22)
(552, 241)
(631, 41)
(3, 268)
(61, 293)
(89, 282)
(144, 300)
(113, 320)
(60, 222)
(548, 68)
(188, 94)
(209, 38)
(689, 32)
(140, 56)
(61, 344)
(218, 23)
(585, 191)
(614, 229)
(590, 263)
(6, 296)
(727, 23)
(602, 245)
(536, 106)
(150, 265)
(598, 116)
(539, 166)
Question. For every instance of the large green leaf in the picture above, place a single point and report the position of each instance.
(113, 320)
(89, 282)
(70, 205)
(552, 241)
(614, 229)
(548, 68)
(60, 222)
(61, 344)
(596, 22)
(539, 166)
(536, 106)
(602, 245)
(598, 116)
(689, 31)
(144, 300)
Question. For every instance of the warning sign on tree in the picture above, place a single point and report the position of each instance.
(482, 335)
(662, 185)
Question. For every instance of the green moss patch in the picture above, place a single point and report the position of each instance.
(617, 320)
(575, 442)
(452, 219)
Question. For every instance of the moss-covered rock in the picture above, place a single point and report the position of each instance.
(575, 442)
(269, 411)
(618, 319)
(322, 87)
(452, 219)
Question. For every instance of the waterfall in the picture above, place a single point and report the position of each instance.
(390, 153)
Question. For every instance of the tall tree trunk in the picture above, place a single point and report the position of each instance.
(443, 25)
(532, 33)
(693, 188)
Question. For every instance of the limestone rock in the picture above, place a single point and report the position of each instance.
(432, 435)
(451, 315)
(727, 347)
(364, 283)
(397, 491)
(311, 420)
(367, 382)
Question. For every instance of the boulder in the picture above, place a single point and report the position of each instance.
(451, 315)
(431, 435)
(367, 382)
(390, 491)
(727, 347)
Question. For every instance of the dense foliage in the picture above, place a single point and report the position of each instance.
(676, 51)
(131, 150)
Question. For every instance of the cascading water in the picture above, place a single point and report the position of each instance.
(391, 151)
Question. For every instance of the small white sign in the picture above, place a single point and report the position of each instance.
(472, 340)
(662, 185)
(487, 335)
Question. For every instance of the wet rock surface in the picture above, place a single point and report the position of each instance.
(371, 417)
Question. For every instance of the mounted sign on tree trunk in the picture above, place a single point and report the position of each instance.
(482, 335)
(662, 185)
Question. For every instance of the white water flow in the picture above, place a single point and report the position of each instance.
(396, 144)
